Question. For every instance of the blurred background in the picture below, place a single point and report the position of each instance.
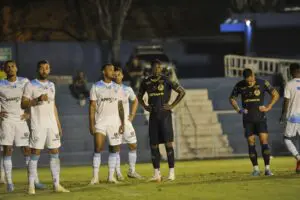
(202, 44)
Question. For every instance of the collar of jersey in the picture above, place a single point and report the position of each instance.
(155, 80)
(106, 84)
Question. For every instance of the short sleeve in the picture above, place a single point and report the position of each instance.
(93, 95)
(174, 85)
(143, 88)
(28, 91)
(287, 92)
(268, 87)
(132, 96)
(235, 92)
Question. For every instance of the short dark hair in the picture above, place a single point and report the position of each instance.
(8, 61)
(294, 68)
(247, 73)
(106, 65)
(41, 62)
(118, 69)
(154, 62)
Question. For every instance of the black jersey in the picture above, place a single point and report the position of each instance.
(159, 91)
(252, 98)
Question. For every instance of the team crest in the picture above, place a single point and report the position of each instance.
(256, 92)
(160, 87)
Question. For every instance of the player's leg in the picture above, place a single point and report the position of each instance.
(7, 163)
(2, 173)
(171, 160)
(112, 162)
(154, 145)
(99, 141)
(265, 148)
(290, 134)
(249, 134)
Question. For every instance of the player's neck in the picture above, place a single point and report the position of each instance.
(12, 78)
(42, 80)
(106, 80)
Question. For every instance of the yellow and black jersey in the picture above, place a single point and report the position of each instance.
(159, 91)
(252, 98)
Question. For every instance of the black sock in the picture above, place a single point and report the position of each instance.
(265, 150)
(253, 155)
(155, 157)
(170, 155)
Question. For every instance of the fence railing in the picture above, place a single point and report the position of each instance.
(235, 64)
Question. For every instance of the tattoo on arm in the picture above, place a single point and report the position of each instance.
(121, 111)
(275, 97)
(181, 94)
(57, 118)
(92, 110)
(134, 106)
(234, 104)
(285, 107)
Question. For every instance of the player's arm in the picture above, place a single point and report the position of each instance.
(274, 96)
(180, 94)
(140, 96)
(233, 99)
(121, 115)
(27, 101)
(57, 120)
(134, 106)
(92, 110)
(285, 106)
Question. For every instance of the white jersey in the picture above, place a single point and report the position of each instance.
(292, 92)
(106, 96)
(10, 97)
(42, 115)
(128, 95)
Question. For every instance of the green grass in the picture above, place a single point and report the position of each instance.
(196, 180)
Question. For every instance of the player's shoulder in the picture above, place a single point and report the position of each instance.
(23, 79)
(3, 82)
(99, 84)
(126, 87)
(241, 83)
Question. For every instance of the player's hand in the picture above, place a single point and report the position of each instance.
(167, 107)
(282, 120)
(243, 111)
(131, 117)
(3, 115)
(148, 108)
(265, 108)
(121, 129)
(92, 130)
(43, 97)
(25, 116)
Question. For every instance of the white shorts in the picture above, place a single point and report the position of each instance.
(44, 137)
(12, 132)
(111, 132)
(129, 136)
(292, 129)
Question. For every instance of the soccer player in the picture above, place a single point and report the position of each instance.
(39, 96)
(129, 136)
(159, 88)
(106, 117)
(2, 173)
(14, 128)
(252, 91)
(291, 112)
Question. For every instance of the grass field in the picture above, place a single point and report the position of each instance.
(196, 180)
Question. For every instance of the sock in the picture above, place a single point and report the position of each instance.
(256, 168)
(8, 169)
(253, 155)
(55, 168)
(132, 160)
(155, 157)
(171, 171)
(32, 169)
(2, 173)
(265, 150)
(27, 159)
(291, 147)
(96, 164)
(170, 155)
(112, 161)
(156, 172)
(118, 163)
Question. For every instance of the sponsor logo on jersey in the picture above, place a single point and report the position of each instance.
(17, 99)
(160, 87)
(257, 92)
(109, 100)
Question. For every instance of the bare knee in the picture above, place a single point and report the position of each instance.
(114, 149)
(132, 147)
(35, 152)
(263, 138)
(53, 151)
(251, 140)
(154, 146)
(169, 144)
(7, 150)
(26, 151)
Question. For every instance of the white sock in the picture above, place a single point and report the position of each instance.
(267, 167)
(291, 147)
(156, 172)
(96, 164)
(112, 161)
(55, 168)
(171, 170)
(256, 168)
(118, 163)
(132, 160)
(27, 159)
(32, 169)
(2, 173)
(8, 169)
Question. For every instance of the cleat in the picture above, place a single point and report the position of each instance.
(31, 190)
(268, 173)
(298, 167)
(10, 187)
(94, 181)
(171, 177)
(134, 175)
(156, 178)
(256, 173)
(39, 186)
(113, 181)
(60, 189)
(120, 177)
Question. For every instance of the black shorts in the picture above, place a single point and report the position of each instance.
(161, 128)
(255, 128)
